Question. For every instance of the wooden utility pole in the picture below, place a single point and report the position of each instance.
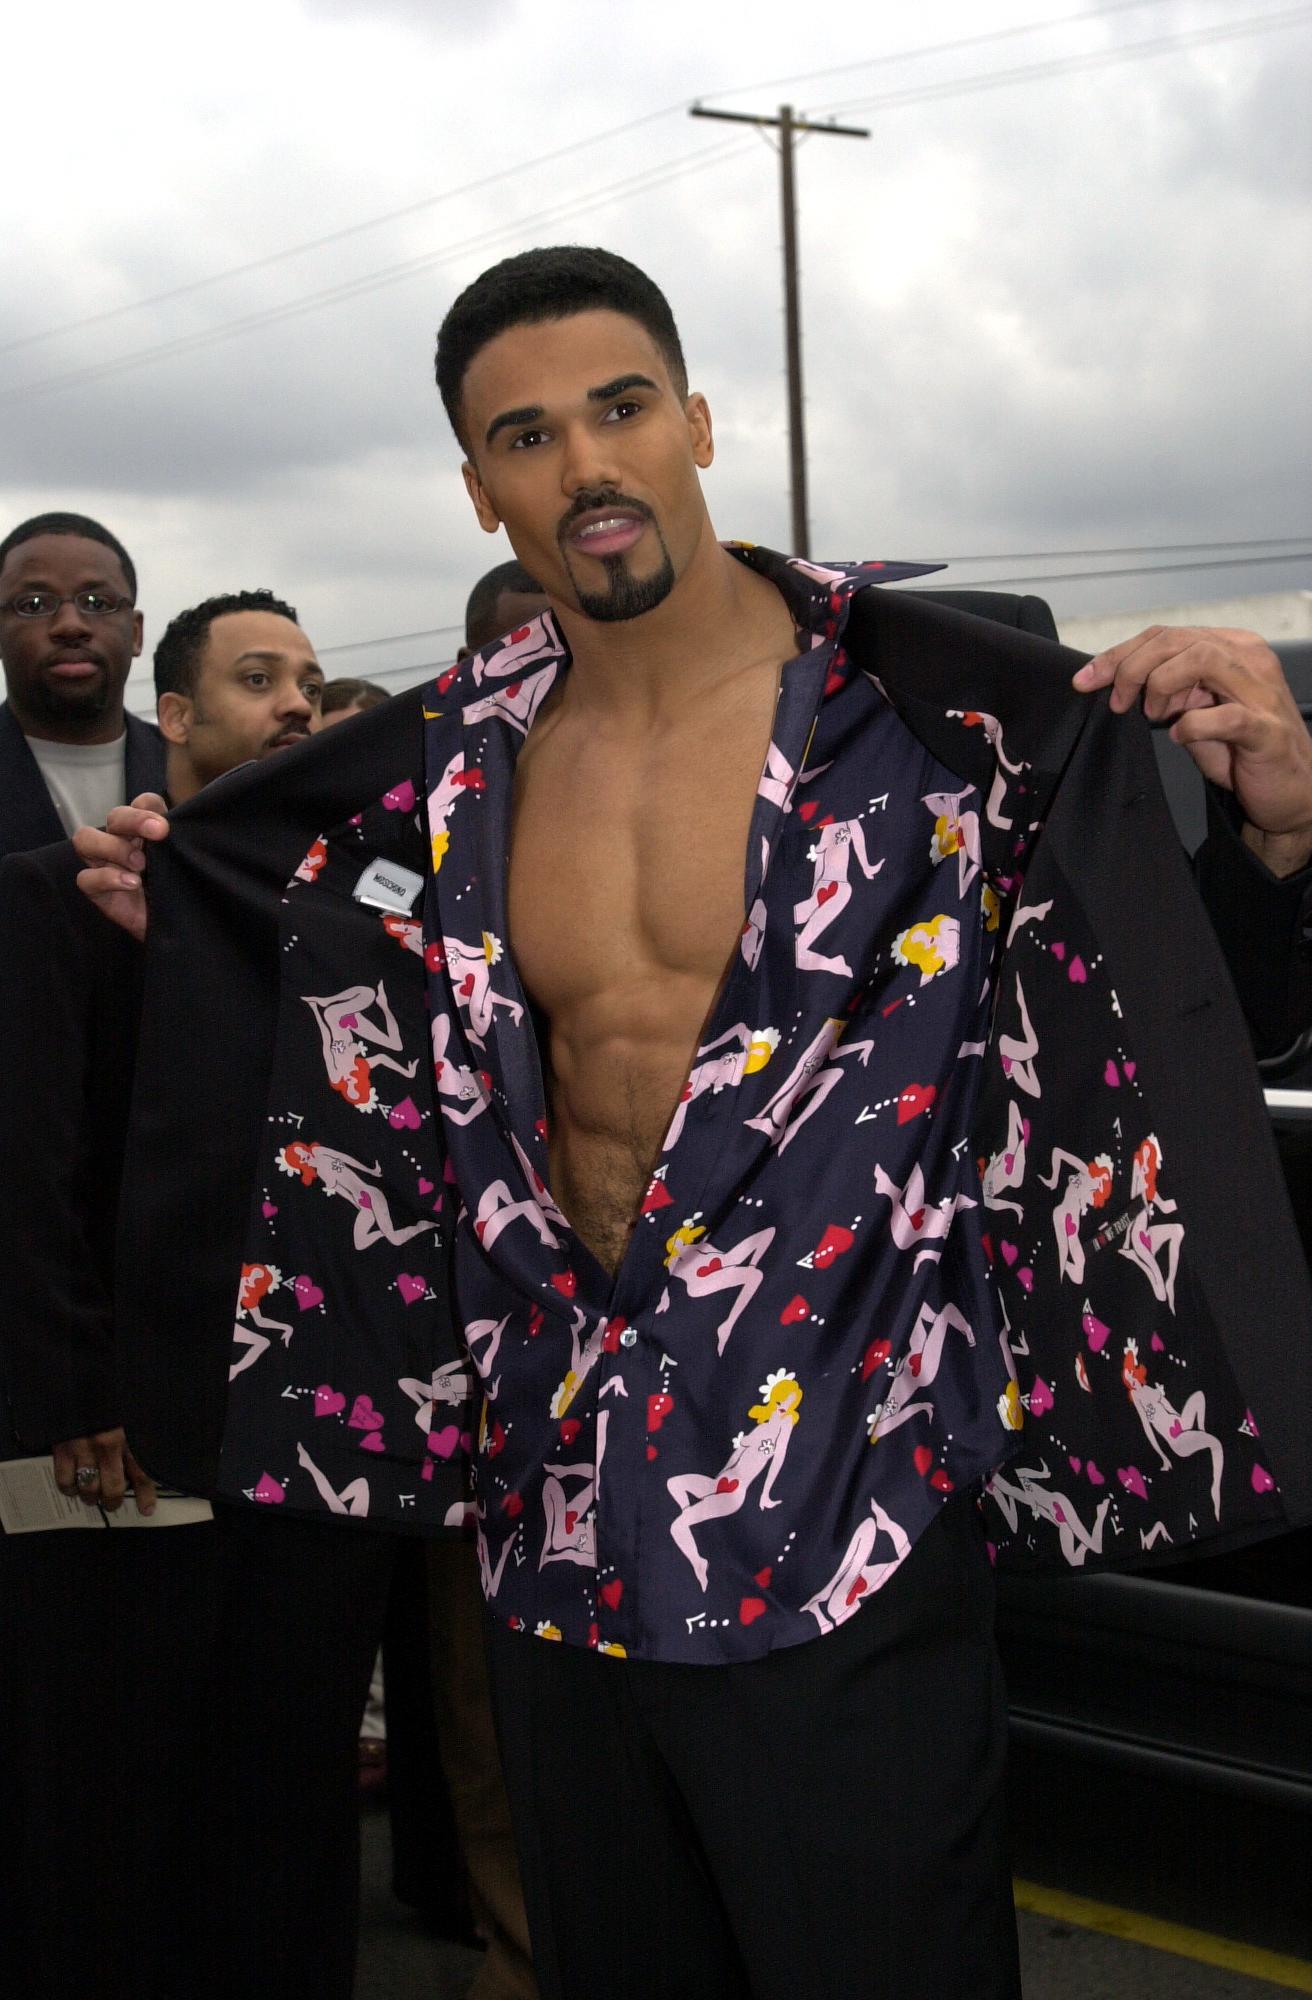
(786, 123)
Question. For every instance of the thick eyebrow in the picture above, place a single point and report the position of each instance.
(532, 413)
(274, 657)
(609, 390)
(510, 419)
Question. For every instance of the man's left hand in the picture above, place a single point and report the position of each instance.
(1234, 713)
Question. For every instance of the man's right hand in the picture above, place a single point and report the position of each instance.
(114, 859)
(98, 1470)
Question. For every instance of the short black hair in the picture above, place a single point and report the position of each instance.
(71, 524)
(481, 611)
(347, 693)
(549, 284)
(178, 654)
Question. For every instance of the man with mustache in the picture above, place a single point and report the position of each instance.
(103, 1659)
(69, 631)
(717, 1793)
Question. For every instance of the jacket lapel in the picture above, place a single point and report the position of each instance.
(27, 813)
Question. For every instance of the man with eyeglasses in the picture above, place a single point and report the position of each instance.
(69, 631)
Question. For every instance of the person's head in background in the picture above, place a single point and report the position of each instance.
(345, 698)
(69, 627)
(503, 600)
(235, 679)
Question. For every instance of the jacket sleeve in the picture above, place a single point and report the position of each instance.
(60, 1160)
(1264, 925)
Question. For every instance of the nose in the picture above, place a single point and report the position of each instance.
(294, 703)
(69, 623)
(588, 462)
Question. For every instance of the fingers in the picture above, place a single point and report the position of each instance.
(143, 1486)
(77, 1470)
(1173, 668)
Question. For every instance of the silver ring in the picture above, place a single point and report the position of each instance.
(86, 1475)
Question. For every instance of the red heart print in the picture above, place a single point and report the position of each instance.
(565, 1282)
(876, 1355)
(1076, 972)
(569, 1430)
(824, 894)
(571, 1522)
(328, 1401)
(835, 1242)
(307, 1293)
(708, 1270)
(610, 1339)
(914, 1362)
(940, 1482)
(513, 1505)
(268, 1492)
(443, 1443)
(372, 1441)
(763, 1577)
(796, 1309)
(652, 1453)
(411, 1288)
(268, 1210)
(1095, 1477)
(922, 1458)
(496, 1441)
(404, 1117)
(655, 1197)
(751, 1609)
(401, 798)
(917, 1097)
(858, 1590)
(1059, 952)
(658, 1409)
(726, 1485)
(611, 1593)
(364, 1417)
(1261, 1480)
(807, 811)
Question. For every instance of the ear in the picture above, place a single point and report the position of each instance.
(488, 518)
(138, 632)
(698, 415)
(175, 713)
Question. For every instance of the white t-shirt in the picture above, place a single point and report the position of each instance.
(84, 779)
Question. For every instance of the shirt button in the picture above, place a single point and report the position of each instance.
(629, 1337)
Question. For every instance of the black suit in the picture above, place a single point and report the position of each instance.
(27, 811)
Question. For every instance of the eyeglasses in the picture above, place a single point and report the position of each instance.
(45, 603)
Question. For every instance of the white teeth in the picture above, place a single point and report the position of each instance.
(604, 527)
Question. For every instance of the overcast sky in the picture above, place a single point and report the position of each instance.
(1058, 301)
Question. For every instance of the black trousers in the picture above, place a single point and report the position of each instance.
(826, 1821)
(179, 1719)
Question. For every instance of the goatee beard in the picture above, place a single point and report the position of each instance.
(626, 595)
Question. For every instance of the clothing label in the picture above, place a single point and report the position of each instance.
(387, 886)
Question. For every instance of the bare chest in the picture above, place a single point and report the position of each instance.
(628, 867)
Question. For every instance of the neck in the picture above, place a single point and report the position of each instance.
(104, 728)
(181, 780)
(719, 617)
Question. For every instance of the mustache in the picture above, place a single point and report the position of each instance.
(590, 503)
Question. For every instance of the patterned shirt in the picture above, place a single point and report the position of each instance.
(726, 1445)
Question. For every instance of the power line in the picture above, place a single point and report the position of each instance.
(1068, 65)
(333, 235)
(1015, 555)
(640, 183)
(1148, 569)
(379, 221)
(1132, 549)
(936, 48)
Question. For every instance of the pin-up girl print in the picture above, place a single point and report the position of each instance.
(702, 1497)
(348, 1036)
(856, 1575)
(1088, 1185)
(337, 1173)
(1183, 1431)
(257, 1282)
(835, 848)
(1029, 1490)
(1146, 1240)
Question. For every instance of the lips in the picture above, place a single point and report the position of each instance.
(609, 526)
(289, 738)
(80, 668)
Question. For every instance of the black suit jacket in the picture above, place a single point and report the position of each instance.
(69, 989)
(212, 1010)
(27, 812)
